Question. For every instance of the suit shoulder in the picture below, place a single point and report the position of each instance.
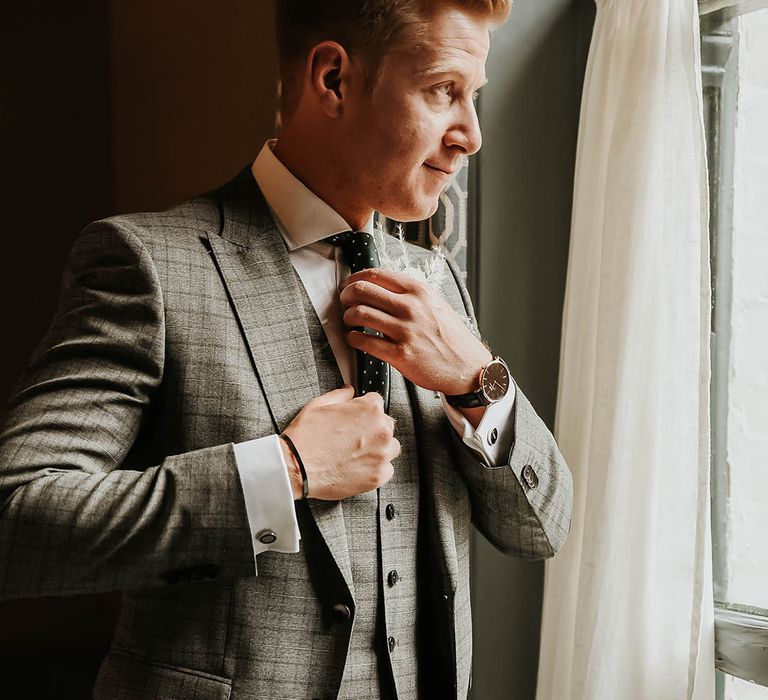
(180, 227)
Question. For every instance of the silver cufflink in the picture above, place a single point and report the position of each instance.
(266, 536)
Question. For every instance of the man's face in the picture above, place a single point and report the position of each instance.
(401, 141)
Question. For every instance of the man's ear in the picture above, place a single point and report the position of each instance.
(329, 71)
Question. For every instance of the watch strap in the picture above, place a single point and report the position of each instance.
(471, 400)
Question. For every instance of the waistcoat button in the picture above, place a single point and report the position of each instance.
(393, 577)
(391, 642)
(391, 512)
(341, 612)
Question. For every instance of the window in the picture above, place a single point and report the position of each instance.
(735, 74)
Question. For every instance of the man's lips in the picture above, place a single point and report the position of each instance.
(440, 170)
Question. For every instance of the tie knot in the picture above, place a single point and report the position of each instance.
(358, 249)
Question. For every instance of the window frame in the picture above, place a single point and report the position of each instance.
(741, 632)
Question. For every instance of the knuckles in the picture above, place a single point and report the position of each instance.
(379, 434)
(410, 314)
(373, 400)
(421, 291)
(383, 432)
(402, 351)
(354, 291)
(359, 311)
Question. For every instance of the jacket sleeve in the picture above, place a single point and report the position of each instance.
(523, 507)
(71, 519)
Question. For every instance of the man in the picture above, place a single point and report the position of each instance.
(188, 432)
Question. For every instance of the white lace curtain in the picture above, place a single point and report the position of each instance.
(628, 601)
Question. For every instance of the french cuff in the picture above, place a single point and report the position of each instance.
(268, 496)
(493, 438)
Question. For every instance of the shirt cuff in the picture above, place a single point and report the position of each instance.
(493, 438)
(268, 495)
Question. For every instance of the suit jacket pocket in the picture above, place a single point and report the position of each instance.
(123, 676)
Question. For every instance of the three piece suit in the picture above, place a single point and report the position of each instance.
(178, 334)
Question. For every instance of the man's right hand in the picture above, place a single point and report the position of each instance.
(345, 442)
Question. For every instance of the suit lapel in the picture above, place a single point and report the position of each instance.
(264, 292)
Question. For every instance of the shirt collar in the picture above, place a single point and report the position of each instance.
(302, 217)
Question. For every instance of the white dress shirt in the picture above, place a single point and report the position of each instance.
(304, 220)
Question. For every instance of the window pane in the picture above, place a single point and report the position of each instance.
(737, 689)
(746, 576)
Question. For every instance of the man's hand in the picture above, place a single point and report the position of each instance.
(424, 338)
(345, 442)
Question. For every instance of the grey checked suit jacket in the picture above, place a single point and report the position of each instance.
(178, 334)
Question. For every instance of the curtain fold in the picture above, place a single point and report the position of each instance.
(628, 601)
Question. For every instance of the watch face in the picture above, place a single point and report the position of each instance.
(495, 381)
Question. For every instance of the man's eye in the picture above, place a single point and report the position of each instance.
(444, 89)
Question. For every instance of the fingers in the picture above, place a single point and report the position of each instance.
(380, 422)
(381, 475)
(388, 279)
(373, 397)
(371, 404)
(383, 348)
(340, 395)
(372, 294)
(374, 319)
(395, 448)
(386, 470)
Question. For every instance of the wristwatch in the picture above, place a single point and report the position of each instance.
(494, 385)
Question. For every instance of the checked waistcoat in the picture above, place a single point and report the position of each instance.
(381, 529)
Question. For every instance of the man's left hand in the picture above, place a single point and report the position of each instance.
(424, 338)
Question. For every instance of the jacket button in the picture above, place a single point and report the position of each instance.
(341, 612)
(209, 573)
(393, 577)
(529, 476)
(391, 643)
(391, 512)
(174, 577)
(266, 536)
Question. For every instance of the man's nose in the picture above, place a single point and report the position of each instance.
(466, 131)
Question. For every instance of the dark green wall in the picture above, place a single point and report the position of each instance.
(529, 117)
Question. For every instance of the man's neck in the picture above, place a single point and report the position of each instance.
(310, 163)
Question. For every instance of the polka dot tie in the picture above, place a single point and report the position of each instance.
(359, 252)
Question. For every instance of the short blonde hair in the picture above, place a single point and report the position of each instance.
(365, 28)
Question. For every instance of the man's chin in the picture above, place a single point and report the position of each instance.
(416, 212)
